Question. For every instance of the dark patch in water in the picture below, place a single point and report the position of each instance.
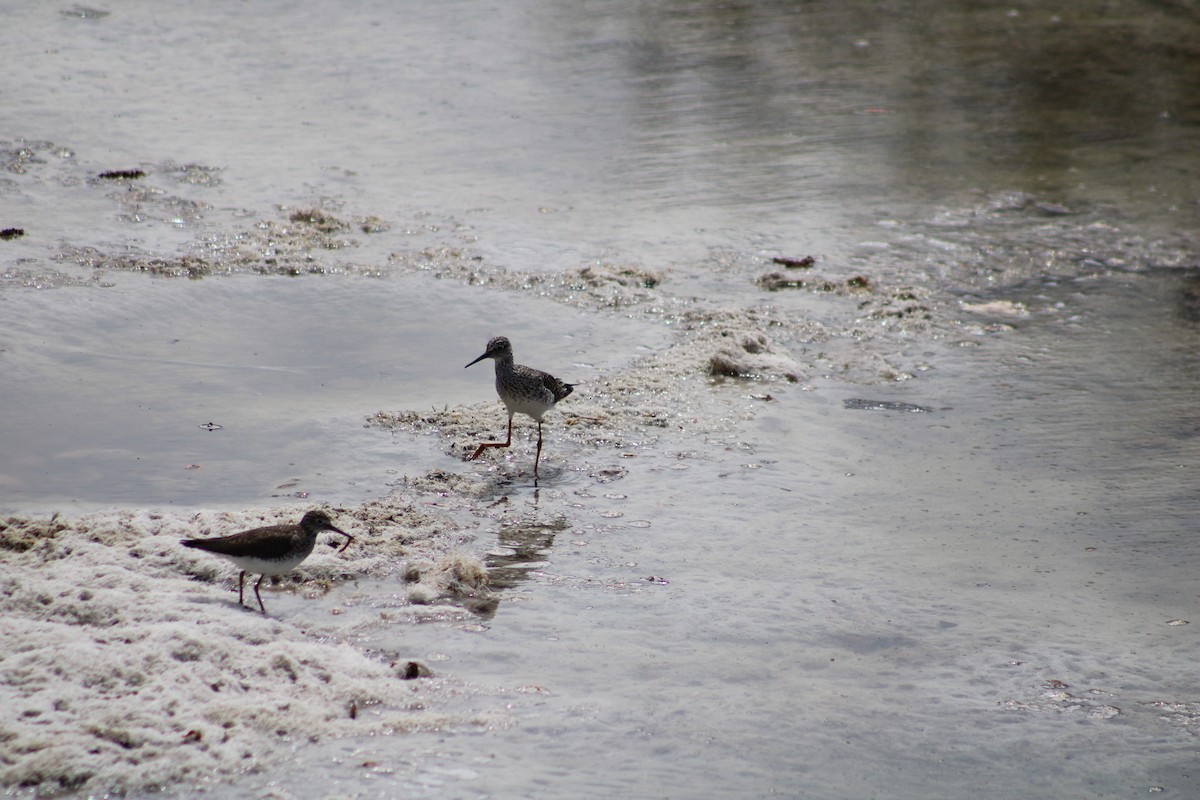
(83, 12)
(775, 281)
(795, 263)
(122, 175)
(859, 404)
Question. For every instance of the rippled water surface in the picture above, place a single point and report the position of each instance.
(750, 586)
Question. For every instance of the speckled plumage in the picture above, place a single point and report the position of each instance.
(272, 550)
(523, 390)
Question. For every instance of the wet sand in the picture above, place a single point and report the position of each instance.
(912, 518)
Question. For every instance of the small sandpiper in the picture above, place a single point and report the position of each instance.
(523, 389)
(272, 550)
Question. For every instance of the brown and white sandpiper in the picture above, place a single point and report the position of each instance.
(272, 550)
(523, 389)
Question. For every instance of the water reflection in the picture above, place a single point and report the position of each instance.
(1188, 304)
(773, 105)
(525, 545)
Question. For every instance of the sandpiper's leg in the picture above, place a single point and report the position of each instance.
(486, 445)
(261, 607)
(241, 583)
(537, 457)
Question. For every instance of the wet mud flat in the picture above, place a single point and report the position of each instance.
(111, 709)
(780, 497)
(880, 474)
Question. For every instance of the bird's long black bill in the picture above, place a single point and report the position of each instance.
(349, 538)
(476, 361)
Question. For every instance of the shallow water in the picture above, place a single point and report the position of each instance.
(182, 408)
(740, 587)
(942, 603)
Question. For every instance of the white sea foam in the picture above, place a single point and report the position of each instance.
(126, 664)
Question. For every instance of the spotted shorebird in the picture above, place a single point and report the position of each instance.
(523, 389)
(272, 550)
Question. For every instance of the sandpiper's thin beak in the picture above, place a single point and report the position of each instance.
(349, 538)
(476, 361)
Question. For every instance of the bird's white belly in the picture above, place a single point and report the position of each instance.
(534, 406)
(264, 566)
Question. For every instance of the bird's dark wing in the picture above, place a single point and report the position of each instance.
(268, 543)
(556, 387)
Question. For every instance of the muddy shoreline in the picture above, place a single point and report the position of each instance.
(880, 472)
